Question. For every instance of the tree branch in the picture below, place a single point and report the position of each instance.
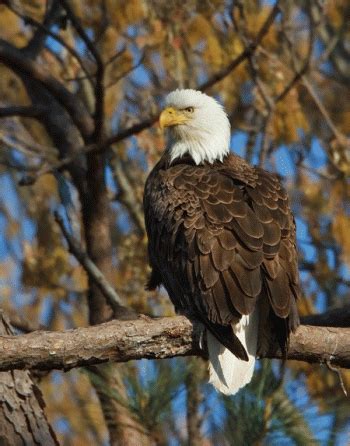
(26, 111)
(165, 337)
(126, 196)
(336, 317)
(45, 31)
(23, 324)
(90, 148)
(39, 38)
(337, 133)
(20, 64)
(246, 53)
(91, 269)
(298, 72)
(99, 91)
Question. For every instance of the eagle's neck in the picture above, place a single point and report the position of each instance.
(209, 144)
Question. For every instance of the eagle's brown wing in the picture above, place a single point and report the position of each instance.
(220, 238)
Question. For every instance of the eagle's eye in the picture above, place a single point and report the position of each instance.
(189, 109)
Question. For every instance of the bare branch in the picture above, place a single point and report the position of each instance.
(126, 196)
(91, 269)
(248, 51)
(37, 41)
(90, 148)
(17, 61)
(81, 31)
(126, 72)
(338, 372)
(129, 131)
(166, 337)
(25, 145)
(46, 30)
(337, 317)
(26, 111)
(337, 134)
(99, 89)
(298, 73)
(23, 324)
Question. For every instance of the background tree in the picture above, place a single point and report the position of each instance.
(81, 86)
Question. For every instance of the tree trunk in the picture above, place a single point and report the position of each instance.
(124, 429)
(22, 417)
(194, 399)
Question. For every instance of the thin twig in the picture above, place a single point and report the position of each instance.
(81, 31)
(245, 53)
(338, 372)
(27, 147)
(338, 135)
(91, 269)
(93, 75)
(269, 110)
(61, 164)
(126, 72)
(115, 56)
(127, 196)
(314, 171)
(99, 89)
(299, 73)
(30, 21)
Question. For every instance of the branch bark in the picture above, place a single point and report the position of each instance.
(166, 337)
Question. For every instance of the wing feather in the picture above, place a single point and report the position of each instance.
(240, 302)
(209, 275)
(221, 258)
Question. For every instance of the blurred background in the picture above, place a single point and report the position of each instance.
(83, 81)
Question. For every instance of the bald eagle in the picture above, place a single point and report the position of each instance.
(221, 239)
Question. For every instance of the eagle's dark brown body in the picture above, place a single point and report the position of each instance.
(222, 241)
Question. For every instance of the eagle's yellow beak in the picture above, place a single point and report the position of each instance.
(170, 116)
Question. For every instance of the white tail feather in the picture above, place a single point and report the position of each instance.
(227, 373)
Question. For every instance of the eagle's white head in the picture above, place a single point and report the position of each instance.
(197, 125)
